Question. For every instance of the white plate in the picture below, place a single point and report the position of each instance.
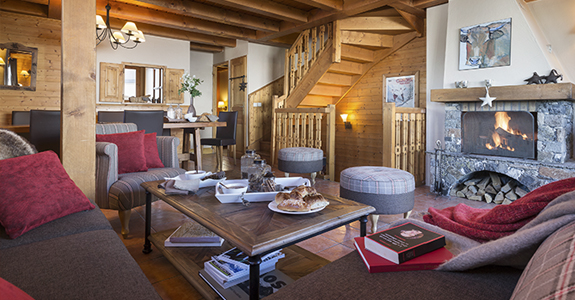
(258, 197)
(203, 183)
(274, 207)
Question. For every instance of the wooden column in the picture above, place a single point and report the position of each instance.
(78, 98)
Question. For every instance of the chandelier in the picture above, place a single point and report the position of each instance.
(103, 31)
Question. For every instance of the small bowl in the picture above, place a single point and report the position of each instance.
(234, 188)
(196, 174)
(190, 118)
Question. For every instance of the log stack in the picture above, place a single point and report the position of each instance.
(491, 187)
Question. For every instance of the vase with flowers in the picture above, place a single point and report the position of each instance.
(190, 84)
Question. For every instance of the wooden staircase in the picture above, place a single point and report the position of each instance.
(326, 62)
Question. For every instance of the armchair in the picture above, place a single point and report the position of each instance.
(123, 192)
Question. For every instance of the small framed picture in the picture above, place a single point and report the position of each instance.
(403, 90)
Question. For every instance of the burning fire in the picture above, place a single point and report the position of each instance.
(502, 121)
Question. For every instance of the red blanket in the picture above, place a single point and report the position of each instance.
(489, 224)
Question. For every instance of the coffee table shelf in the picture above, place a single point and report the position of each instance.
(297, 262)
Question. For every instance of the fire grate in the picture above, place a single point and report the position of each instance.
(510, 134)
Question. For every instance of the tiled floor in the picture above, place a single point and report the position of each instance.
(331, 245)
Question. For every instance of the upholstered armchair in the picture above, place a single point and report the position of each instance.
(123, 192)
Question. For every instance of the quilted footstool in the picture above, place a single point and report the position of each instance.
(300, 160)
(390, 191)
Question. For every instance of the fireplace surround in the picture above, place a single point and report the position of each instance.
(550, 109)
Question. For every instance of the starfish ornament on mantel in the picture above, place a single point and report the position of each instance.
(487, 99)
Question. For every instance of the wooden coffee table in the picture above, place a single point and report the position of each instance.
(255, 229)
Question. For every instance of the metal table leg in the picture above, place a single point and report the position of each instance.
(255, 277)
(362, 226)
(147, 244)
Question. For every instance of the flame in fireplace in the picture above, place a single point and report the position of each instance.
(502, 121)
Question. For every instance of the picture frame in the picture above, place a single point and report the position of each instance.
(485, 45)
(401, 89)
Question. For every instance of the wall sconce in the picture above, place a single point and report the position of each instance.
(2, 63)
(24, 73)
(344, 118)
(221, 104)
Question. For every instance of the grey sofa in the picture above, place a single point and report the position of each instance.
(547, 276)
(78, 256)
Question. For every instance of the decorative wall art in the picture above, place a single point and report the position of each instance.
(402, 90)
(485, 45)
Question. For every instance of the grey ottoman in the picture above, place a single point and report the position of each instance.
(390, 191)
(300, 160)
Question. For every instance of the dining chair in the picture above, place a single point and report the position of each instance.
(110, 117)
(225, 136)
(45, 130)
(21, 118)
(148, 120)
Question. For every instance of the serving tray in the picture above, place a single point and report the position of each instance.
(258, 197)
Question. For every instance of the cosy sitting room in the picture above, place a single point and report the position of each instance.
(287, 149)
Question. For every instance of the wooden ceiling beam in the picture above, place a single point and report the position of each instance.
(205, 48)
(374, 23)
(423, 4)
(178, 34)
(153, 17)
(210, 13)
(22, 7)
(324, 4)
(55, 9)
(43, 2)
(267, 8)
(407, 6)
(415, 21)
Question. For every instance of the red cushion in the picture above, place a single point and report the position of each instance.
(36, 190)
(10, 291)
(151, 151)
(131, 157)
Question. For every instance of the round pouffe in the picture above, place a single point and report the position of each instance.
(390, 191)
(300, 160)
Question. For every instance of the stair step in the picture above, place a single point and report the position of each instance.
(367, 39)
(317, 101)
(356, 54)
(335, 79)
(326, 90)
(346, 67)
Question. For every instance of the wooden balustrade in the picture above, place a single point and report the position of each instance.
(303, 54)
(404, 140)
(304, 127)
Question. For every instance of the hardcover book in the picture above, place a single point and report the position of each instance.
(194, 233)
(404, 242)
(376, 263)
(270, 282)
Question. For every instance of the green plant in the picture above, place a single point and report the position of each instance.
(190, 84)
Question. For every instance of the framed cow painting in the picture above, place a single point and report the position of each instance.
(401, 89)
(485, 45)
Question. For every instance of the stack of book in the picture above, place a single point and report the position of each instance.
(231, 267)
(193, 235)
(402, 248)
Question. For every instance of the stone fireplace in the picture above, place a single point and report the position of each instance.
(527, 135)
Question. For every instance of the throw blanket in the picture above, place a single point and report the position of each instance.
(503, 220)
(514, 250)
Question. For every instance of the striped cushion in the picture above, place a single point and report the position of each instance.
(126, 193)
(377, 180)
(300, 154)
(550, 272)
(115, 128)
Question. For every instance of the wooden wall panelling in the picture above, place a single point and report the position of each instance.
(173, 82)
(260, 114)
(44, 34)
(363, 144)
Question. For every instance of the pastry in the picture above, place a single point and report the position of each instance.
(281, 197)
(315, 201)
(302, 191)
(294, 205)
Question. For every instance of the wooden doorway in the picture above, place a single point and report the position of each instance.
(238, 99)
(220, 88)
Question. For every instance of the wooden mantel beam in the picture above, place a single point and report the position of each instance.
(154, 17)
(555, 91)
(210, 13)
(268, 8)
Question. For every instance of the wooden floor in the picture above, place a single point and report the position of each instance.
(331, 245)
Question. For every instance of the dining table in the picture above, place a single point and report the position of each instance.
(192, 128)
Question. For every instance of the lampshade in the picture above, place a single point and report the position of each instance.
(2, 63)
(24, 73)
(129, 28)
(343, 117)
(139, 37)
(100, 24)
(221, 104)
(119, 37)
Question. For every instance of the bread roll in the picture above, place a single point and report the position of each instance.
(302, 191)
(281, 197)
(294, 205)
(315, 201)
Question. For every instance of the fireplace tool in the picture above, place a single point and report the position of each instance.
(438, 180)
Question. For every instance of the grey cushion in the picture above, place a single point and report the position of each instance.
(549, 274)
(383, 204)
(300, 154)
(377, 180)
(348, 278)
(89, 265)
(71, 224)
